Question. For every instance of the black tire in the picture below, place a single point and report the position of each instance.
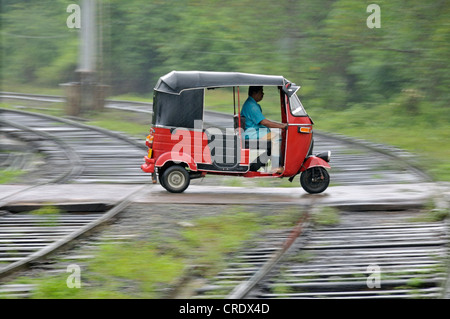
(315, 180)
(160, 178)
(175, 179)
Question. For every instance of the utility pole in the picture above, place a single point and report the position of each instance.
(88, 54)
(86, 94)
(88, 43)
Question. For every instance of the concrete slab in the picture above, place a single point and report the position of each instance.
(349, 197)
(342, 196)
(56, 194)
(8, 190)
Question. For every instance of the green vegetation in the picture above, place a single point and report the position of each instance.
(121, 121)
(131, 270)
(431, 213)
(211, 239)
(326, 216)
(46, 210)
(50, 215)
(7, 176)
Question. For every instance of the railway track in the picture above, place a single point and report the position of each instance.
(27, 238)
(15, 155)
(367, 255)
(76, 152)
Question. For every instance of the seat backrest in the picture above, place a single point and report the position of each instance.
(236, 122)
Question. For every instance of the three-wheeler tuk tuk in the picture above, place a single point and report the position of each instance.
(186, 141)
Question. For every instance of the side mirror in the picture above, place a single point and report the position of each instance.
(290, 89)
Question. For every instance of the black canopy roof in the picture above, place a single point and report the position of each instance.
(177, 81)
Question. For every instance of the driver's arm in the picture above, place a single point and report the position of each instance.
(272, 124)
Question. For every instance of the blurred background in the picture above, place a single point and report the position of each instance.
(388, 84)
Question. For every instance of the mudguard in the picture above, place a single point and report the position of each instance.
(313, 161)
(177, 158)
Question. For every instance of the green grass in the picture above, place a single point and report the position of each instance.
(136, 268)
(213, 238)
(431, 213)
(47, 210)
(7, 176)
(6, 86)
(130, 270)
(120, 121)
(50, 215)
(133, 97)
(326, 216)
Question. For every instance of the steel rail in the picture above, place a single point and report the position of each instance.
(117, 135)
(243, 289)
(75, 164)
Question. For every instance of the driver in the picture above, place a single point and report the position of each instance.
(257, 127)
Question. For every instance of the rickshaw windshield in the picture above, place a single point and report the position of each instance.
(296, 106)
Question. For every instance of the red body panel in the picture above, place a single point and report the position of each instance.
(181, 145)
(297, 144)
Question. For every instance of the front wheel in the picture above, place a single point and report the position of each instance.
(175, 179)
(160, 178)
(315, 180)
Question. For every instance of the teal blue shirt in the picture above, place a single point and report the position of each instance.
(253, 116)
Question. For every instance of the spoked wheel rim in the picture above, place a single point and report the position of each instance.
(176, 179)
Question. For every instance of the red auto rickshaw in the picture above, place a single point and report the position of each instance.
(183, 145)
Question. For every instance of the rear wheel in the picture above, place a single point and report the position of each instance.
(175, 179)
(315, 180)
